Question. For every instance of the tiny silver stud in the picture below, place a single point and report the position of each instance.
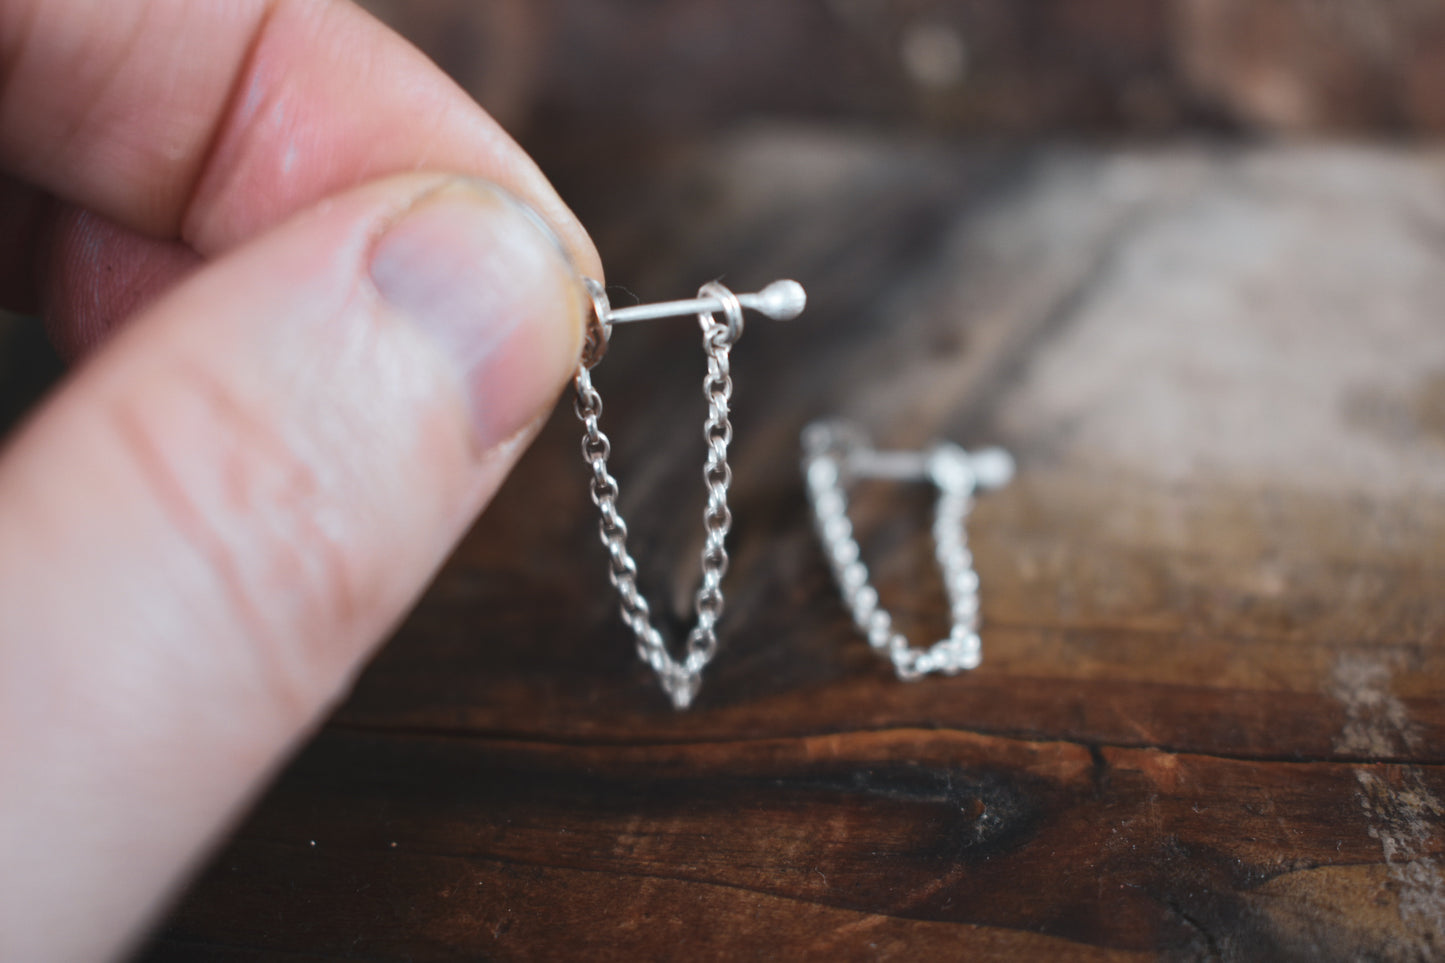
(780, 301)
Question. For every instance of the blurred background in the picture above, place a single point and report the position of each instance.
(990, 68)
(1255, 165)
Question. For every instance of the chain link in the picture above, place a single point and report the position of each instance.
(829, 450)
(680, 678)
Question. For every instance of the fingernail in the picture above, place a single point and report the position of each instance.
(486, 279)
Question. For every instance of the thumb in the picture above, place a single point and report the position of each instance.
(210, 526)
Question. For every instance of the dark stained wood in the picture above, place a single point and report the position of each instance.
(859, 830)
(1208, 724)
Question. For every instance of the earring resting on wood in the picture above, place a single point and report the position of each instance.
(836, 452)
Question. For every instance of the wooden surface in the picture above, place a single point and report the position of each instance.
(1208, 724)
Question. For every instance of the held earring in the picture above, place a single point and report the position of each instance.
(835, 453)
(781, 301)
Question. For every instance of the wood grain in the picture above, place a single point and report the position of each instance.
(1208, 724)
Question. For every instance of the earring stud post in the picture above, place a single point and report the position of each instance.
(991, 467)
(780, 301)
(888, 465)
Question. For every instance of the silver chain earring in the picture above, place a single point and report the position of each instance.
(835, 453)
(781, 300)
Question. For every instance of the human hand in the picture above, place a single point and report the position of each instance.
(331, 360)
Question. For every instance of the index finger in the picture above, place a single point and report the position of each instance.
(209, 122)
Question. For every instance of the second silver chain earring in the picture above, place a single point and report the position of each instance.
(782, 300)
(836, 453)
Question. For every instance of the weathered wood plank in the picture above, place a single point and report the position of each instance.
(1208, 723)
(1124, 850)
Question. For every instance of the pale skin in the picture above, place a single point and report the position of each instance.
(256, 222)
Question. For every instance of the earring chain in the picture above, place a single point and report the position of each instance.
(680, 678)
(829, 450)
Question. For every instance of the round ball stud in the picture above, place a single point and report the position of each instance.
(993, 467)
(781, 300)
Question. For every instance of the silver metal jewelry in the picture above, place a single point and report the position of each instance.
(780, 301)
(836, 453)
